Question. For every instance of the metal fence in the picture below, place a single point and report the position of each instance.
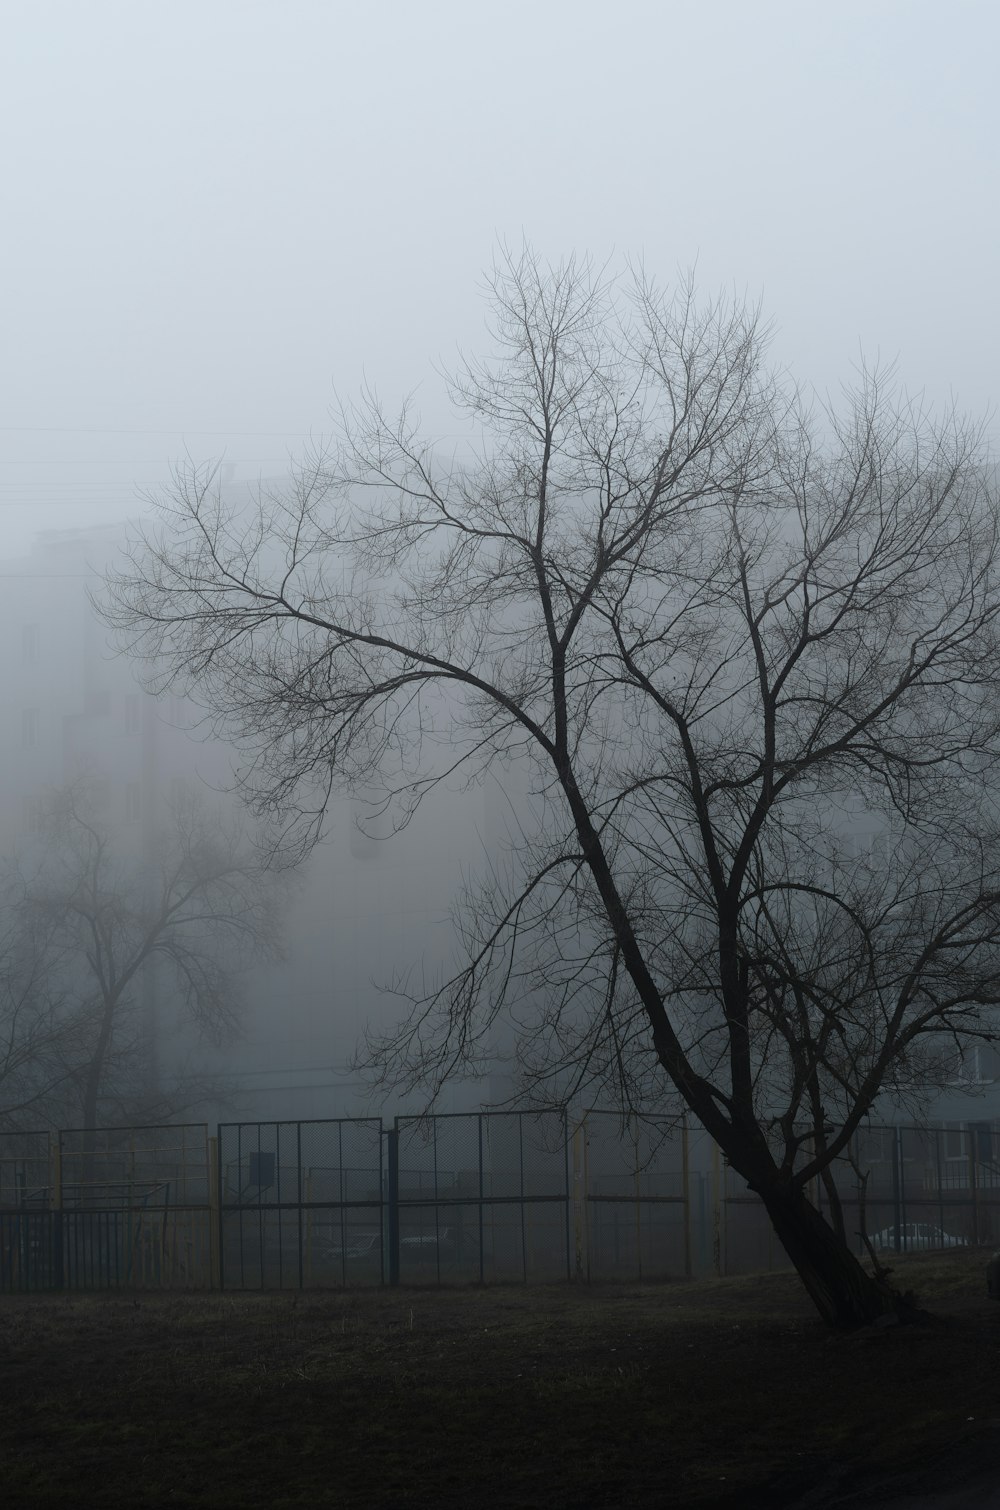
(632, 1198)
(108, 1207)
(905, 1189)
(300, 1204)
(477, 1197)
(28, 1214)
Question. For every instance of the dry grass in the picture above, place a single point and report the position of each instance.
(703, 1393)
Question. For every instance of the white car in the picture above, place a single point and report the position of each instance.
(428, 1246)
(914, 1236)
(356, 1246)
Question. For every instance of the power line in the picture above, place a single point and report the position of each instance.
(182, 431)
(126, 430)
(310, 1069)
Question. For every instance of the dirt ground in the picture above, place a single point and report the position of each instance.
(716, 1392)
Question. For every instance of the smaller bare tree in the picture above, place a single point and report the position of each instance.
(200, 915)
(39, 1041)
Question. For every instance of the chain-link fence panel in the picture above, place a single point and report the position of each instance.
(300, 1204)
(895, 1189)
(482, 1196)
(930, 1188)
(28, 1247)
(633, 1216)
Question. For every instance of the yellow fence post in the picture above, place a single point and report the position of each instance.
(638, 1205)
(56, 1203)
(214, 1216)
(55, 1170)
(686, 1195)
(716, 1208)
(970, 1138)
(309, 1229)
(580, 1200)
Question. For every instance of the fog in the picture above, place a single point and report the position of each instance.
(218, 217)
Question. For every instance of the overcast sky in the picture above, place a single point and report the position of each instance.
(216, 212)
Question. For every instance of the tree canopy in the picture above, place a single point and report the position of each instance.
(744, 645)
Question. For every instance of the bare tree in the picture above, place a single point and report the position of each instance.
(199, 915)
(40, 1041)
(722, 633)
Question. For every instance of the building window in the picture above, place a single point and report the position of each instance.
(981, 1134)
(976, 1064)
(954, 1141)
(132, 802)
(877, 1146)
(30, 644)
(980, 1063)
(29, 728)
(989, 1061)
(132, 713)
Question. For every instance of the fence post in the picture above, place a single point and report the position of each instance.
(970, 1137)
(638, 1204)
(392, 1194)
(580, 1200)
(897, 1228)
(220, 1191)
(716, 1209)
(567, 1187)
(298, 1198)
(58, 1270)
(482, 1235)
(214, 1218)
(686, 1195)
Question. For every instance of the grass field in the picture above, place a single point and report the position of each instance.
(697, 1393)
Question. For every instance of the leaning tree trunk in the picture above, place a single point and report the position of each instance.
(843, 1292)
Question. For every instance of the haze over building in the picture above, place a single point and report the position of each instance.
(359, 913)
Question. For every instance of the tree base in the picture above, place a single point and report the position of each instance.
(844, 1293)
